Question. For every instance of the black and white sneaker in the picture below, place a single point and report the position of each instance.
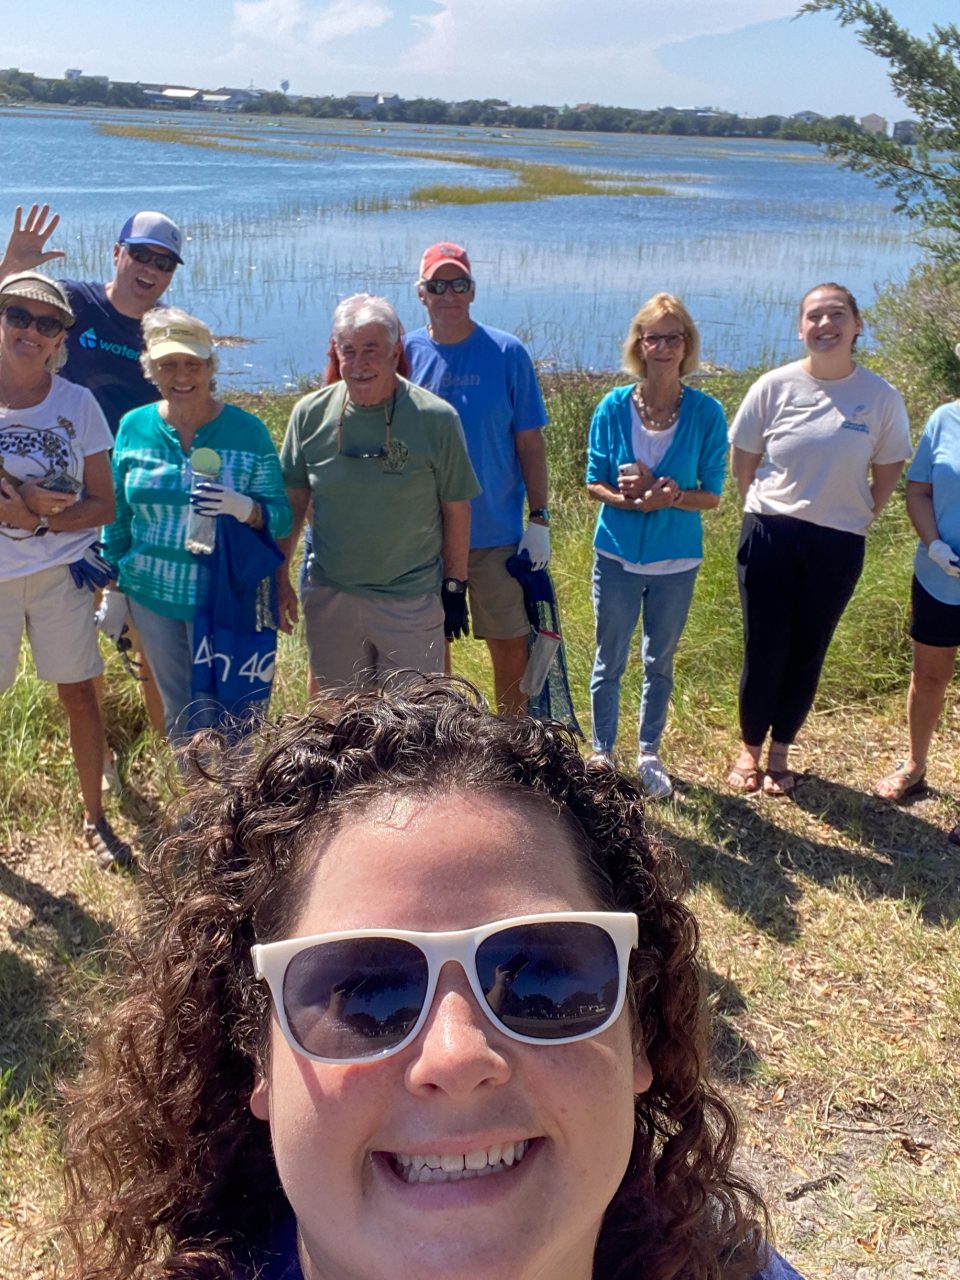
(106, 846)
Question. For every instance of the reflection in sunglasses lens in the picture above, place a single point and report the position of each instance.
(163, 261)
(21, 318)
(461, 284)
(356, 997)
(550, 980)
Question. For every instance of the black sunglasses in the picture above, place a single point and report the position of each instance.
(162, 261)
(21, 318)
(460, 284)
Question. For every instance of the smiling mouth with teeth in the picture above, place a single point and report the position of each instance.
(458, 1168)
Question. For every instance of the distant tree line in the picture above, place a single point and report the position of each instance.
(493, 113)
(489, 113)
(24, 86)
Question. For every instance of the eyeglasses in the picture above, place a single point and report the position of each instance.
(162, 261)
(21, 318)
(364, 994)
(459, 284)
(384, 450)
(670, 340)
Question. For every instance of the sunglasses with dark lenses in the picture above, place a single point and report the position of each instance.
(365, 994)
(162, 261)
(460, 284)
(21, 318)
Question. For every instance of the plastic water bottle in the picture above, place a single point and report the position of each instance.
(202, 530)
(538, 663)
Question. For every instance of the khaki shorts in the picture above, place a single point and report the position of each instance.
(496, 597)
(59, 624)
(357, 641)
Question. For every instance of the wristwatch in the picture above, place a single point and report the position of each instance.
(540, 513)
(455, 586)
(42, 528)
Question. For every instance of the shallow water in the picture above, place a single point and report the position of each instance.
(277, 232)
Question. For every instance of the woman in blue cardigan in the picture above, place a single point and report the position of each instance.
(656, 459)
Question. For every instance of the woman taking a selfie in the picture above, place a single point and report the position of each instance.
(414, 996)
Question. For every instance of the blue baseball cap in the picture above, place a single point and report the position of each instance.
(150, 227)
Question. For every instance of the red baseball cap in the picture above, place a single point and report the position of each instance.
(443, 254)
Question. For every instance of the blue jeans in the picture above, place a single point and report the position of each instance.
(167, 645)
(619, 599)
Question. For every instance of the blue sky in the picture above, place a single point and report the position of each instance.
(739, 55)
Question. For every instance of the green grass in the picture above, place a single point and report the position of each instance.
(533, 181)
(830, 924)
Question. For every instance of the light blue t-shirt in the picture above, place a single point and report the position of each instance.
(490, 380)
(937, 463)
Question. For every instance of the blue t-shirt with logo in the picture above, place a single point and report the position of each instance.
(937, 463)
(103, 352)
(490, 380)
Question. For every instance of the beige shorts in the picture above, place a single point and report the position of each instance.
(59, 624)
(357, 641)
(496, 597)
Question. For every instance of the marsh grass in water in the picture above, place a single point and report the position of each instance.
(829, 924)
(534, 181)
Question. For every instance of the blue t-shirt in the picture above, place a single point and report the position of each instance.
(937, 463)
(281, 1262)
(103, 352)
(490, 380)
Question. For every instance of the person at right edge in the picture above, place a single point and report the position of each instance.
(933, 505)
(489, 378)
(818, 448)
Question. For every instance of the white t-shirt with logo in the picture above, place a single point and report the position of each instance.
(53, 437)
(818, 439)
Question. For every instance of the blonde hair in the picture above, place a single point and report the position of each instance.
(632, 357)
(169, 317)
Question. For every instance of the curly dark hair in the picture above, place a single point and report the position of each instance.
(168, 1173)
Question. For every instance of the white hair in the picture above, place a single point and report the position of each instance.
(362, 309)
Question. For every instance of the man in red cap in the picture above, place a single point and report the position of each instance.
(489, 378)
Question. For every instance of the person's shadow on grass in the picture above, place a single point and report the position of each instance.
(35, 1044)
(753, 862)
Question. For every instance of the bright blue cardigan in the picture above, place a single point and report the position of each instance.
(696, 459)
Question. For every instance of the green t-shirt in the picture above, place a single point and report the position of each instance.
(377, 528)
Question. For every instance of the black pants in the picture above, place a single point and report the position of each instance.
(795, 581)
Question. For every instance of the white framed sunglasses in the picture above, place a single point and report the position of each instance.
(364, 994)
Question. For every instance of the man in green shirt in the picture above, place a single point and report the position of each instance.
(384, 467)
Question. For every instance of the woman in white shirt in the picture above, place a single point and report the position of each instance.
(818, 448)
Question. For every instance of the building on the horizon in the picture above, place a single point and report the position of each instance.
(905, 131)
(872, 123)
(807, 117)
(367, 101)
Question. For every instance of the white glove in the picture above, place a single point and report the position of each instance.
(113, 616)
(211, 499)
(942, 555)
(536, 542)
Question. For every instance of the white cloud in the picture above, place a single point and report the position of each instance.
(296, 26)
(563, 51)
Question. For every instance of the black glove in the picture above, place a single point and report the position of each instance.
(456, 617)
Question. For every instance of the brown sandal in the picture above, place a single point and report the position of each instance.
(747, 780)
(901, 784)
(779, 783)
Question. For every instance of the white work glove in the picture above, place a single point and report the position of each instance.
(942, 555)
(113, 616)
(212, 499)
(536, 542)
